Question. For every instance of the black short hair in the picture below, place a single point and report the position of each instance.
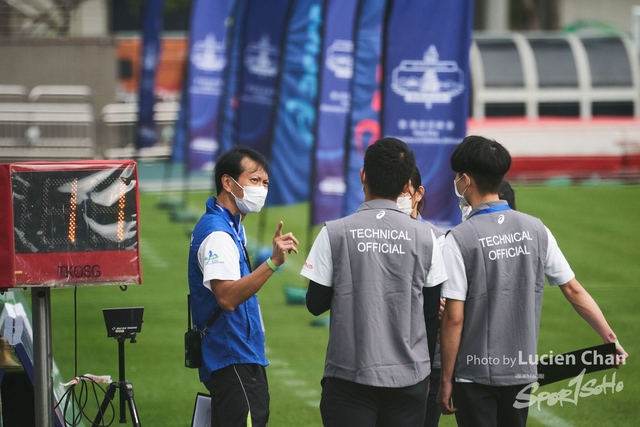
(388, 165)
(416, 179)
(507, 193)
(230, 163)
(485, 160)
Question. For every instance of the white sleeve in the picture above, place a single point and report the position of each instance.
(319, 264)
(437, 272)
(556, 266)
(456, 286)
(219, 258)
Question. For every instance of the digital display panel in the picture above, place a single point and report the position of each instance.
(74, 211)
(69, 223)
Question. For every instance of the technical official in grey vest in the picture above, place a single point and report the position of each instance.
(369, 268)
(497, 261)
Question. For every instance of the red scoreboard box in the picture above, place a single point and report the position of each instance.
(69, 223)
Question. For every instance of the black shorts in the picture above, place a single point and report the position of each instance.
(239, 392)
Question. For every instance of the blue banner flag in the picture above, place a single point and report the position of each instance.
(207, 62)
(229, 103)
(262, 45)
(328, 168)
(364, 125)
(180, 131)
(293, 133)
(426, 92)
(151, 31)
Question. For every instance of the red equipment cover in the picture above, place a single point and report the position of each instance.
(69, 223)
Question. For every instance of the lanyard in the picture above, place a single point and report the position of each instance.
(244, 249)
(492, 209)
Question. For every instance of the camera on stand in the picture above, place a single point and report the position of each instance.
(122, 324)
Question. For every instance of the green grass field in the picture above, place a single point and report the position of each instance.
(596, 227)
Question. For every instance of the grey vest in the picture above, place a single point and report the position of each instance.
(504, 254)
(381, 258)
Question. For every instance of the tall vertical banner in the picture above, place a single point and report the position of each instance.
(180, 132)
(426, 91)
(364, 121)
(207, 62)
(328, 169)
(293, 132)
(151, 31)
(229, 104)
(262, 44)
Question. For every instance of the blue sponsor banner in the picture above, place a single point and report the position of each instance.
(293, 132)
(364, 125)
(151, 31)
(262, 45)
(336, 72)
(180, 131)
(426, 92)
(229, 103)
(207, 61)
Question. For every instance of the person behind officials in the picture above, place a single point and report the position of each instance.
(496, 262)
(221, 278)
(413, 203)
(369, 268)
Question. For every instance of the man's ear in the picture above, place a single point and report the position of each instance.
(419, 194)
(363, 177)
(226, 183)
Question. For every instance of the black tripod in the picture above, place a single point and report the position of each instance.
(126, 389)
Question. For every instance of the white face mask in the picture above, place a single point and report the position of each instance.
(405, 204)
(465, 207)
(253, 200)
(466, 210)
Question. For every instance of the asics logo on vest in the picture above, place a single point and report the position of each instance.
(380, 214)
(500, 219)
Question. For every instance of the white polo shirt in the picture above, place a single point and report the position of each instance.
(218, 258)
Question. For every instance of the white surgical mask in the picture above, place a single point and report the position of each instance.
(466, 210)
(465, 207)
(405, 204)
(253, 200)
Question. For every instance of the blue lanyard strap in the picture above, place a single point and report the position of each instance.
(492, 209)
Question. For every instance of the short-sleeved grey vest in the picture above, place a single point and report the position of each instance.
(504, 254)
(381, 258)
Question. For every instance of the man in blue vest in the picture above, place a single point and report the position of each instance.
(497, 261)
(222, 283)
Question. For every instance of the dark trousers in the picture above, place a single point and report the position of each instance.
(239, 392)
(488, 406)
(432, 418)
(348, 404)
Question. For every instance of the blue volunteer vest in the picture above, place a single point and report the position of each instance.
(235, 337)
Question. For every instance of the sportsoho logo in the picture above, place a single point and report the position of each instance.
(429, 81)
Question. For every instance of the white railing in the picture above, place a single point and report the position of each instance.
(582, 55)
